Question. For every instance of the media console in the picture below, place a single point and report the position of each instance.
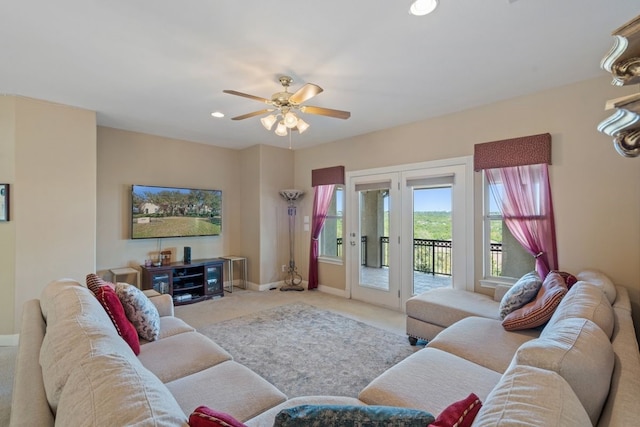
(186, 283)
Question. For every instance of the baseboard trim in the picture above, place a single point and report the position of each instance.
(333, 291)
(9, 340)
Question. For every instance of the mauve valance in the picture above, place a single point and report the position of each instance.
(327, 176)
(526, 150)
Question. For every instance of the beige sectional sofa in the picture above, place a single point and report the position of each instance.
(73, 369)
(582, 368)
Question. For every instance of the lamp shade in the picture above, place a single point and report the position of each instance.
(268, 121)
(290, 120)
(281, 130)
(302, 125)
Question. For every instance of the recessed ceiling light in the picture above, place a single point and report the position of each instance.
(423, 7)
(217, 114)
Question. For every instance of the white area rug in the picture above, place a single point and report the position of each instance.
(306, 351)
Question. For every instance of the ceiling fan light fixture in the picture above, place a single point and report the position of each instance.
(422, 7)
(302, 125)
(290, 120)
(268, 121)
(281, 130)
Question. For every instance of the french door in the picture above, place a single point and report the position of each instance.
(389, 256)
(373, 239)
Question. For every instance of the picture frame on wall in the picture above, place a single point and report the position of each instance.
(4, 202)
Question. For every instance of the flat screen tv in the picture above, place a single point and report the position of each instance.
(159, 212)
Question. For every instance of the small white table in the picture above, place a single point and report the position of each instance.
(243, 265)
(126, 271)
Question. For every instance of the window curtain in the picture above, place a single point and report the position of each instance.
(321, 201)
(324, 182)
(527, 210)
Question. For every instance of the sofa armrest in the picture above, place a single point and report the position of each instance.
(499, 292)
(163, 302)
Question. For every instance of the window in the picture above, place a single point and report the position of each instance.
(504, 257)
(330, 242)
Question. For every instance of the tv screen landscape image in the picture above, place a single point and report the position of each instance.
(158, 212)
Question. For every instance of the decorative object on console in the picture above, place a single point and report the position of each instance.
(623, 62)
(165, 257)
(293, 279)
(187, 255)
(4, 202)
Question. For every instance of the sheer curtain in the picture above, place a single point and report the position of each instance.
(523, 194)
(321, 201)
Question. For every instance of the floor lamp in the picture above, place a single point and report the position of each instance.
(293, 279)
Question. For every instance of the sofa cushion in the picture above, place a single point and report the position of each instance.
(586, 301)
(82, 329)
(140, 311)
(429, 379)
(522, 292)
(482, 341)
(529, 396)
(251, 394)
(348, 415)
(112, 390)
(49, 293)
(204, 416)
(198, 353)
(601, 280)
(445, 306)
(460, 413)
(540, 310)
(170, 326)
(581, 353)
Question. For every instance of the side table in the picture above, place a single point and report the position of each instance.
(243, 265)
(125, 272)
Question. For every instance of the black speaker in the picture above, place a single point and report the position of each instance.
(187, 255)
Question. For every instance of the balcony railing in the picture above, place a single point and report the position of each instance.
(429, 255)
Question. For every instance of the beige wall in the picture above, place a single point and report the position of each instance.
(596, 193)
(53, 197)
(7, 229)
(126, 158)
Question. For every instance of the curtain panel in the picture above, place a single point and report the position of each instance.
(527, 210)
(324, 182)
(520, 167)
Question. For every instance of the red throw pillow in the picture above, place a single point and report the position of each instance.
(459, 414)
(539, 311)
(112, 305)
(207, 417)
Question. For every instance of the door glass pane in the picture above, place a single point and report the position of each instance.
(432, 238)
(374, 238)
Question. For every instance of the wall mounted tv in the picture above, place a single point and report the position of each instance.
(158, 212)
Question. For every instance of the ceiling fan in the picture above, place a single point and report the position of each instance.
(285, 104)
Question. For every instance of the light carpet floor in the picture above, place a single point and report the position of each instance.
(304, 351)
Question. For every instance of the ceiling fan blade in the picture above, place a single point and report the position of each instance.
(306, 92)
(255, 113)
(338, 114)
(246, 95)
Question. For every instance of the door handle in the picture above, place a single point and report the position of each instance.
(353, 243)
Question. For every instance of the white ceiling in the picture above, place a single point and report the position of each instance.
(160, 66)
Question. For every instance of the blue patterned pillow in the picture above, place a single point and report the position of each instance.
(521, 293)
(351, 415)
